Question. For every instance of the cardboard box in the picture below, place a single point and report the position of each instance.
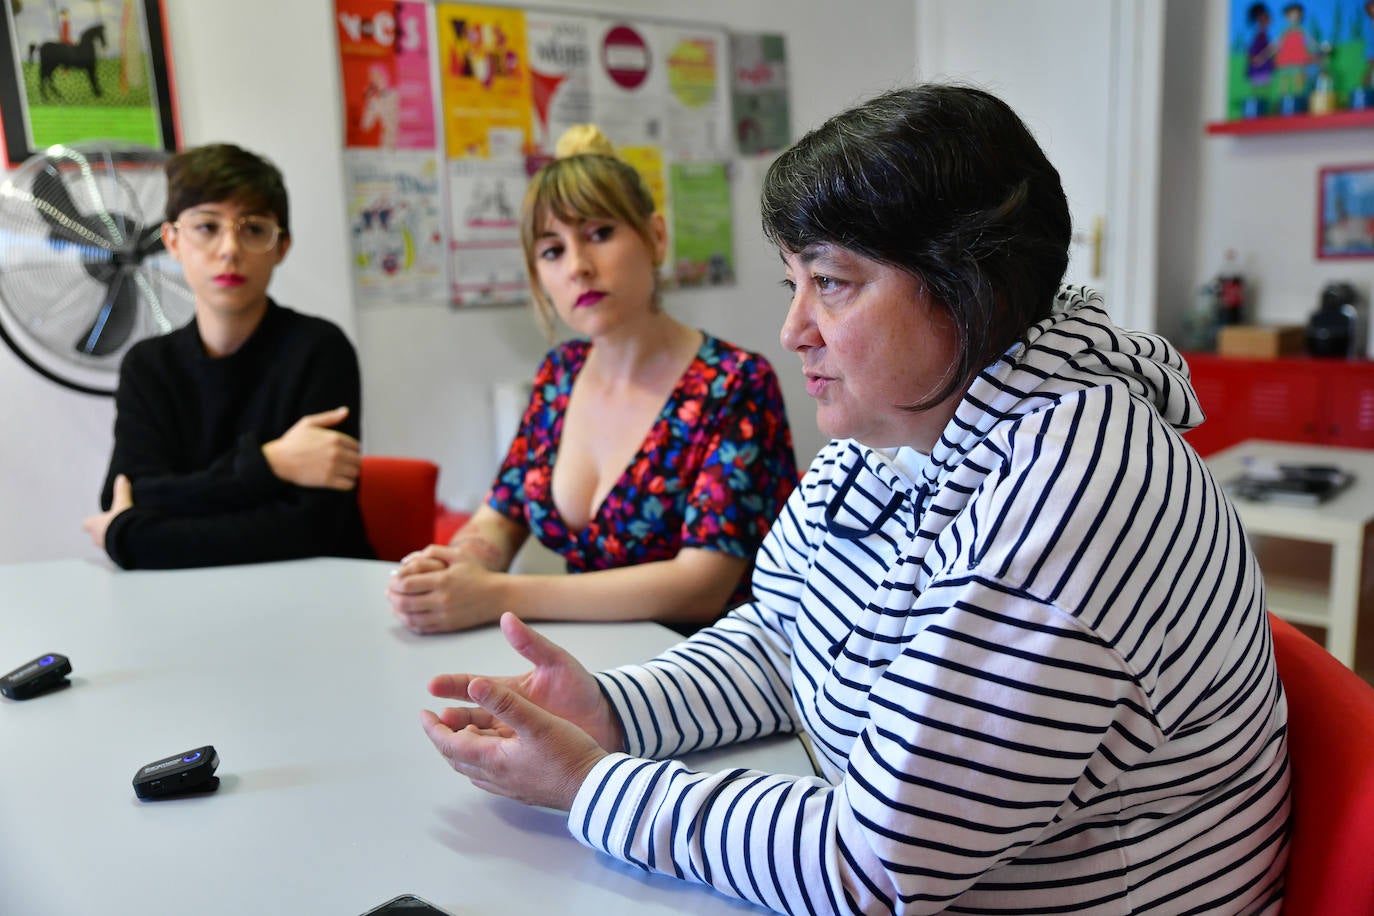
(1261, 341)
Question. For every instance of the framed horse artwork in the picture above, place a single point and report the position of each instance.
(84, 70)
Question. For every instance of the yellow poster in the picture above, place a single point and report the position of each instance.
(692, 71)
(648, 162)
(485, 81)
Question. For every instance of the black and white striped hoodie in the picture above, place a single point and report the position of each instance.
(1034, 667)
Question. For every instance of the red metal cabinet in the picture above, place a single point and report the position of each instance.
(1290, 399)
(1350, 414)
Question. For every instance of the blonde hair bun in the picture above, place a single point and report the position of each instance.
(583, 138)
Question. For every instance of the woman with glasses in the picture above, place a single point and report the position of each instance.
(1008, 605)
(652, 456)
(236, 436)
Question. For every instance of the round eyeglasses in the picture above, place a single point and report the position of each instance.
(255, 234)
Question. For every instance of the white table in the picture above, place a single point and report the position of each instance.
(332, 799)
(1341, 522)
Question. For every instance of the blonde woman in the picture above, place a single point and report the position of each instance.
(653, 457)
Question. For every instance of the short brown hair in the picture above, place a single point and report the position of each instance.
(225, 172)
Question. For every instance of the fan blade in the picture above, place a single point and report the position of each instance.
(54, 203)
(115, 321)
(149, 241)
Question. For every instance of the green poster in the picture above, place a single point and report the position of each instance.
(703, 235)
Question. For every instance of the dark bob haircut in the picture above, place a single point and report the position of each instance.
(944, 182)
(220, 172)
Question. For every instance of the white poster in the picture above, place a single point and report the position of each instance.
(696, 62)
(397, 226)
(629, 83)
(484, 204)
(560, 58)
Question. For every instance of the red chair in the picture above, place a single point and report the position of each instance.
(1331, 748)
(397, 497)
(447, 522)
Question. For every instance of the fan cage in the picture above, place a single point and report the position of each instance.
(83, 276)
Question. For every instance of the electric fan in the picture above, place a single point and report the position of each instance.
(83, 274)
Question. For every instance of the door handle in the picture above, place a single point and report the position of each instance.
(1094, 237)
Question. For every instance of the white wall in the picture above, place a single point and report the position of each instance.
(263, 73)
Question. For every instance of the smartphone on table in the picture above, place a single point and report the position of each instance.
(406, 905)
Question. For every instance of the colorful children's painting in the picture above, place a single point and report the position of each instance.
(1300, 58)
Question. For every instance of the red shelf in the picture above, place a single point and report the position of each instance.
(1282, 124)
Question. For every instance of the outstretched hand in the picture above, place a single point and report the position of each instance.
(533, 737)
(509, 746)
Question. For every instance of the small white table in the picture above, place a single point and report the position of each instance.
(331, 798)
(1341, 522)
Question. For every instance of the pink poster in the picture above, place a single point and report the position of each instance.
(384, 56)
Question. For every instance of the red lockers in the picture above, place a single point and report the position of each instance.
(1289, 399)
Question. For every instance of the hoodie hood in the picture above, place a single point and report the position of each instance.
(1076, 348)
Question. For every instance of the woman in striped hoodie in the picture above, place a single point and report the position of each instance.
(1009, 606)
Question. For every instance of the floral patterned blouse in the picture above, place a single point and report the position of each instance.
(713, 471)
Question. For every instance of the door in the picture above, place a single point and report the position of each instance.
(1085, 77)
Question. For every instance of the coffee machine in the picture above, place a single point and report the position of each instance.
(1339, 326)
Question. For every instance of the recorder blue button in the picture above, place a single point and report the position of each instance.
(46, 660)
(191, 758)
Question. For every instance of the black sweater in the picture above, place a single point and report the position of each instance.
(189, 431)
